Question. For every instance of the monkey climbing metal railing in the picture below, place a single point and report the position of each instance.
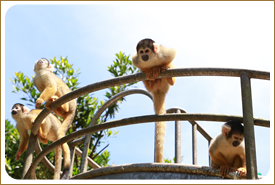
(248, 120)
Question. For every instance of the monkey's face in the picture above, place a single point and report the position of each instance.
(18, 109)
(236, 139)
(145, 53)
(42, 64)
(145, 58)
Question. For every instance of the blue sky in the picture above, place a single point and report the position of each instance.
(205, 34)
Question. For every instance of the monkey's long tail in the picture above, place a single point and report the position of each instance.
(66, 165)
(58, 162)
(159, 106)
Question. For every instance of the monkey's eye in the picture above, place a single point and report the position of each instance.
(147, 51)
(141, 51)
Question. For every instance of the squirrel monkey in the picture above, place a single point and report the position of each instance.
(48, 129)
(151, 59)
(51, 88)
(227, 150)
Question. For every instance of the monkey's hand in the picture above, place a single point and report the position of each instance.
(52, 99)
(152, 73)
(164, 68)
(242, 172)
(224, 170)
(39, 102)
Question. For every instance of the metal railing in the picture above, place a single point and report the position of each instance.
(195, 127)
(248, 120)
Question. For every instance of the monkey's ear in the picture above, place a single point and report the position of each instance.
(156, 47)
(51, 68)
(25, 109)
(225, 129)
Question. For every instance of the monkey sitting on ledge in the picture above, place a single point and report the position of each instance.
(227, 150)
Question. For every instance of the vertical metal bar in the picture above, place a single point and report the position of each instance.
(84, 161)
(29, 154)
(72, 154)
(209, 159)
(250, 148)
(194, 143)
(155, 144)
(177, 140)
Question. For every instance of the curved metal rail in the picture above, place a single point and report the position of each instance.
(195, 127)
(83, 166)
(137, 120)
(243, 73)
(155, 171)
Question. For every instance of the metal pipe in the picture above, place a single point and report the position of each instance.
(129, 79)
(209, 158)
(178, 141)
(194, 143)
(153, 169)
(176, 72)
(91, 162)
(199, 128)
(130, 121)
(84, 161)
(77, 142)
(250, 148)
(29, 154)
(72, 154)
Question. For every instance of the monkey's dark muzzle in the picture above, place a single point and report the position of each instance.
(13, 112)
(235, 143)
(145, 57)
(40, 61)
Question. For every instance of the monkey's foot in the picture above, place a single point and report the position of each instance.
(242, 172)
(52, 99)
(38, 103)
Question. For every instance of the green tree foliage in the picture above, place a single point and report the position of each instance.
(13, 167)
(170, 160)
(87, 105)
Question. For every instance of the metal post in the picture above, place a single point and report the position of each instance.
(72, 153)
(29, 154)
(209, 158)
(194, 143)
(177, 140)
(250, 148)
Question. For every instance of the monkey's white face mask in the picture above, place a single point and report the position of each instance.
(43, 64)
(17, 110)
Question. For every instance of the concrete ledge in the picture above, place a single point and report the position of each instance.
(155, 171)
